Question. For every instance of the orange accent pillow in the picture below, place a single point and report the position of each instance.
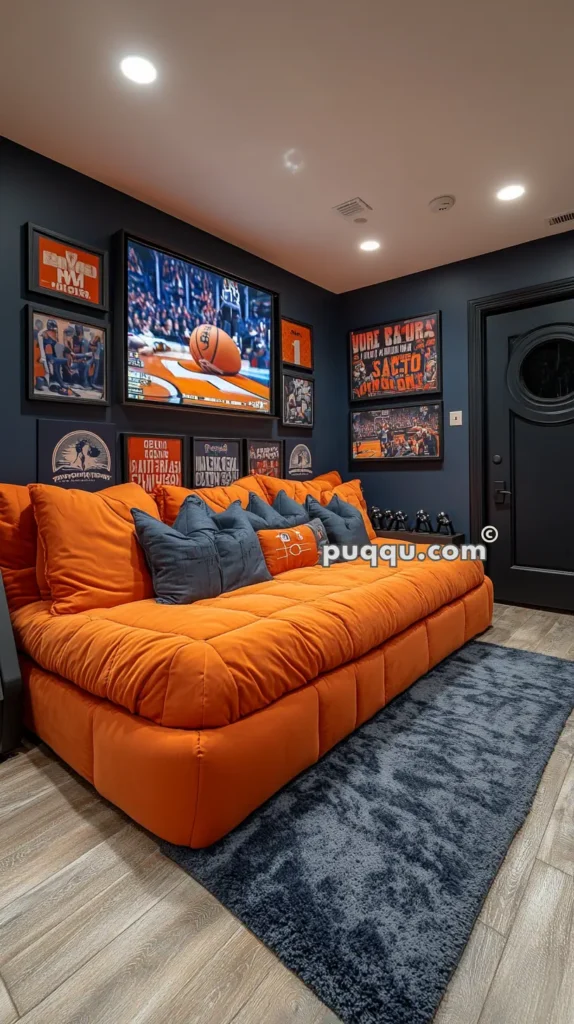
(18, 537)
(352, 492)
(296, 489)
(294, 548)
(91, 555)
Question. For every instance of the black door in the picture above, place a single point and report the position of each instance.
(530, 454)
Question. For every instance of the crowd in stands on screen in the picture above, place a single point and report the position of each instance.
(175, 314)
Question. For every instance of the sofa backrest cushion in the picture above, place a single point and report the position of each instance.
(91, 555)
(18, 536)
(295, 548)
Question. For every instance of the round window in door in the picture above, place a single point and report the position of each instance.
(540, 375)
(547, 371)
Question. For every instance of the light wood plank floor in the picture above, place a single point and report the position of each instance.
(96, 926)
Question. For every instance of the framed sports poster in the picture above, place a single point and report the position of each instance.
(398, 433)
(399, 358)
(150, 459)
(65, 269)
(265, 457)
(299, 459)
(67, 357)
(298, 401)
(78, 455)
(216, 461)
(297, 344)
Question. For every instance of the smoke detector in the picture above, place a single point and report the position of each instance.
(560, 218)
(355, 209)
(442, 203)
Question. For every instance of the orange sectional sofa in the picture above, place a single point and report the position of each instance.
(189, 717)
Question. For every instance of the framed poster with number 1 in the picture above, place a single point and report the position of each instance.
(297, 344)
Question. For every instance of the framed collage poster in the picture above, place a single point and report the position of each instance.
(65, 269)
(67, 357)
(297, 401)
(82, 457)
(297, 344)
(150, 459)
(401, 358)
(398, 433)
(265, 457)
(216, 461)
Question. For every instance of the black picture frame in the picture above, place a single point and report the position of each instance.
(33, 285)
(123, 238)
(154, 435)
(34, 310)
(95, 444)
(386, 460)
(385, 396)
(299, 366)
(285, 420)
(216, 442)
(262, 443)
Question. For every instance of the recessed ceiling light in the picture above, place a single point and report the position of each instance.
(510, 192)
(293, 161)
(139, 70)
(370, 245)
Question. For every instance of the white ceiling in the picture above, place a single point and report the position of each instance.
(396, 103)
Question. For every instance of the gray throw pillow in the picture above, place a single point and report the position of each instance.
(183, 569)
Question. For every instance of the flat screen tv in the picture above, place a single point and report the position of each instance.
(195, 337)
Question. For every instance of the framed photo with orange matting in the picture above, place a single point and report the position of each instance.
(150, 459)
(396, 359)
(65, 269)
(297, 344)
(398, 433)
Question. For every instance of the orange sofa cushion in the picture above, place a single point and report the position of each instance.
(215, 661)
(352, 492)
(18, 536)
(170, 499)
(91, 555)
(293, 548)
(333, 478)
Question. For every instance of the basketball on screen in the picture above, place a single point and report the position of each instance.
(214, 346)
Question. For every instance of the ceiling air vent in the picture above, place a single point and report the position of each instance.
(354, 209)
(561, 218)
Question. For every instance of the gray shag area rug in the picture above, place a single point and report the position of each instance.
(366, 873)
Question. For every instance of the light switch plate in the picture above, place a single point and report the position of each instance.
(456, 418)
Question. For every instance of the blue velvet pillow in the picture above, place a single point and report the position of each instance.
(343, 522)
(293, 513)
(262, 516)
(241, 557)
(183, 569)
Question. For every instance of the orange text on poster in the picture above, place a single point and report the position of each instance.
(154, 460)
(68, 271)
(296, 346)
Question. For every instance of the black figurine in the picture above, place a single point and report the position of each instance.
(444, 524)
(388, 516)
(376, 517)
(400, 521)
(423, 522)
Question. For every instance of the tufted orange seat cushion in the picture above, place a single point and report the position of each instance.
(214, 662)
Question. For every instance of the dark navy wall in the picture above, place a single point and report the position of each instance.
(449, 288)
(35, 189)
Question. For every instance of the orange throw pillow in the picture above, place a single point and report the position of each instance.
(352, 492)
(170, 498)
(91, 555)
(294, 548)
(18, 536)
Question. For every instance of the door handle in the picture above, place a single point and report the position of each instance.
(500, 492)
